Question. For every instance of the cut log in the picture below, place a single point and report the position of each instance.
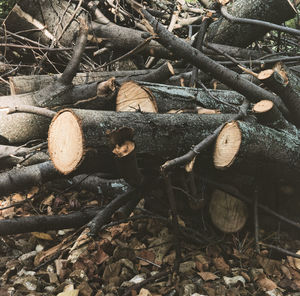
(227, 213)
(167, 98)
(274, 11)
(269, 115)
(253, 149)
(287, 85)
(73, 132)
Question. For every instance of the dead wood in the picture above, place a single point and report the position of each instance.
(228, 77)
(255, 148)
(19, 179)
(286, 84)
(11, 156)
(46, 21)
(31, 83)
(268, 114)
(21, 127)
(226, 32)
(86, 129)
(46, 223)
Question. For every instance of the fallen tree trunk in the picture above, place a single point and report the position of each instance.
(22, 127)
(74, 132)
(31, 83)
(226, 32)
(257, 149)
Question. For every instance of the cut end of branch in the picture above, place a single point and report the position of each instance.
(265, 74)
(227, 145)
(65, 142)
(227, 213)
(263, 106)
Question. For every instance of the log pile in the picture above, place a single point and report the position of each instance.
(148, 125)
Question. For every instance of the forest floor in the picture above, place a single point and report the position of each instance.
(137, 257)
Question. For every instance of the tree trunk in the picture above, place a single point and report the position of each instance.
(241, 35)
(49, 20)
(74, 132)
(256, 149)
(31, 83)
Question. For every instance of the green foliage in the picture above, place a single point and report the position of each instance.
(5, 7)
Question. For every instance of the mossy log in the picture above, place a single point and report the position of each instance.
(226, 32)
(73, 133)
(256, 149)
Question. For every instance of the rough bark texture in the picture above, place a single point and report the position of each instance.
(225, 32)
(20, 178)
(50, 14)
(170, 97)
(26, 84)
(154, 134)
(259, 149)
(195, 57)
(287, 85)
(125, 39)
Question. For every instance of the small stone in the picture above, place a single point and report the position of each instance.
(138, 278)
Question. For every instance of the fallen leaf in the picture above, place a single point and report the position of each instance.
(266, 284)
(42, 235)
(208, 276)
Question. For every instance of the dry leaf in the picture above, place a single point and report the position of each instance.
(17, 198)
(208, 276)
(221, 265)
(144, 292)
(266, 284)
(42, 235)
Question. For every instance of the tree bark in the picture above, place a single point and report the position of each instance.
(49, 17)
(31, 83)
(241, 35)
(74, 132)
(46, 223)
(257, 149)
(195, 57)
(287, 85)
(18, 179)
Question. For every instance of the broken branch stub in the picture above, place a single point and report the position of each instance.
(73, 133)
